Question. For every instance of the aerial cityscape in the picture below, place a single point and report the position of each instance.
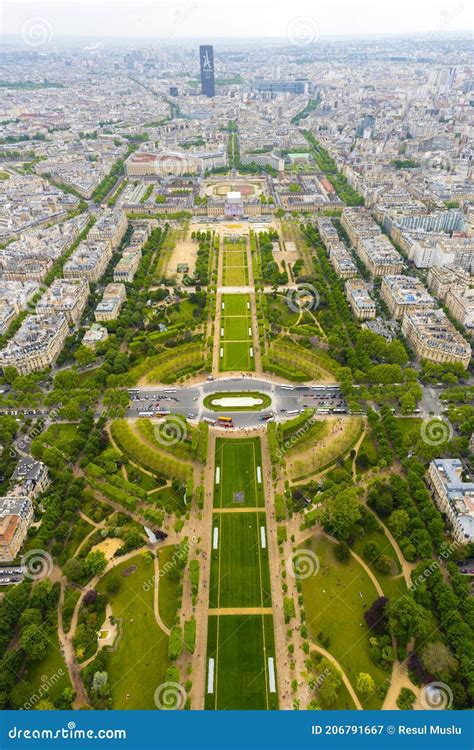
(236, 379)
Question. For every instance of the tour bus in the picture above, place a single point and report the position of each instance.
(225, 421)
(169, 390)
(162, 412)
(286, 387)
(133, 391)
(145, 413)
(294, 411)
(208, 420)
(264, 417)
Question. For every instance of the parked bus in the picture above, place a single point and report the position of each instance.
(209, 421)
(145, 413)
(225, 421)
(294, 411)
(162, 412)
(264, 417)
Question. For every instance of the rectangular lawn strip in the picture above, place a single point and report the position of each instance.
(238, 461)
(236, 328)
(139, 663)
(235, 276)
(240, 574)
(237, 356)
(240, 646)
(235, 304)
(334, 599)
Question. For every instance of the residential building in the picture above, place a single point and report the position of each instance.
(30, 477)
(358, 296)
(402, 293)
(433, 337)
(112, 300)
(16, 515)
(453, 496)
(88, 261)
(36, 344)
(110, 226)
(67, 296)
(460, 303)
(127, 266)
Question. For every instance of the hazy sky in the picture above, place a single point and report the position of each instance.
(304, 21)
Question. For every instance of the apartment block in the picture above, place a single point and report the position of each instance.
(442, 278)
(433, 337)
(379, 256)
(110, 227)
(127, 266)
(36, 344)
(88, 261)
(404, 293)
(358, 296)
(112, 300)
(453, 496)
(16, 514)
(341, 260)
(460, 303)
(67, 296)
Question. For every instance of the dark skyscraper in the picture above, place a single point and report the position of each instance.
(206, 56)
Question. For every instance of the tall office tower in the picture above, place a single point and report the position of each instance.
(206, 56)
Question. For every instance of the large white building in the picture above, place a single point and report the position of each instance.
(453, 496)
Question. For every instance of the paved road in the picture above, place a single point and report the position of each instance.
(286, 400)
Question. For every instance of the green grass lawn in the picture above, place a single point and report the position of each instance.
(343, 701)
(235, 304)
(61, 436)
(240, 576)
(168, 588)
(138, 665)
(237, 328)
(236, 356)
(238, 461)
(42, 680)
(335, 600)
(168, 499)
(240, 646)
(393, 585)
(236, 341)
